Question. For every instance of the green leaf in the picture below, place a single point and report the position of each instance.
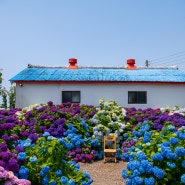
(169, 176)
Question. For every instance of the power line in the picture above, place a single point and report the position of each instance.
(168, 57)
(173, 61)
(174, 58)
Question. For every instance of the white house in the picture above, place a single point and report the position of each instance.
(129, 86)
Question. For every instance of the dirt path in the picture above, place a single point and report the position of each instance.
(108, 173)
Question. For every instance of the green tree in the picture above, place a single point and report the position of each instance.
(11, 95)
(4, 94)
(0, 80)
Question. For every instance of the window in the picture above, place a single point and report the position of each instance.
(71, 96)
(137, 97)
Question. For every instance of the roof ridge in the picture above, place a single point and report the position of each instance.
(106, 67)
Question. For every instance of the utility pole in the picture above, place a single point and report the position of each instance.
(146, 63)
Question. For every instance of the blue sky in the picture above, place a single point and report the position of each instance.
(96, 32)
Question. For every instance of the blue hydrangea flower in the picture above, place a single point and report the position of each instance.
(147, 166)
(174, 140)
(49, 138)
(95, 143)
(63, 180)
(58, 172)
(181, 135)
(141, 156)
(146, 139)
(23, 172)
(125, 135)
(53, 183)
(45, 180)
(71, 182)
(42, 174)
(86, 175)
(140, 147)
(87, 134)
(133, 165)
(33, 159)
(43, 150)
(183, 164)
(27, 143)
(136, 173)
(172, 156)
(85, 183)
(124, 174)
(157, 157)
(129, 182)
(149, 181)
(132, 148)
(159, 173)
(46, 134)
(141, 170)
(171, 128)
(69, 125)
(171, 165)
(74, 129)
(165, 144)
(180, 151)
(183, 178)
(90, 181)
(138, 180)
(45, 169)
(135, 133)
(21, 156)
(125, 157)
(166, 151)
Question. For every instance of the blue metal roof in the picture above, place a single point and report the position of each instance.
(114, 74)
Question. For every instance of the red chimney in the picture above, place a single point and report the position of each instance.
(131, 65)
(72, 63)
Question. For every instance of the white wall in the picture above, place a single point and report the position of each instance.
(157, 95)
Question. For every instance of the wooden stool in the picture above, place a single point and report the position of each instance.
(109, 148)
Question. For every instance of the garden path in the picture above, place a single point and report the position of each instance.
(108, 173)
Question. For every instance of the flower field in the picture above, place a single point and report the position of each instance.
(43, 144)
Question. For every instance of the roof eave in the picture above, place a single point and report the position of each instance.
(92, 82)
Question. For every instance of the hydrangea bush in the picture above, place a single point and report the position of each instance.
(157, 157)
(109, 118)
(48, 163)
(150, 140)
(8, 178)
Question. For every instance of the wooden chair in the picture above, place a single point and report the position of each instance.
(109, 148)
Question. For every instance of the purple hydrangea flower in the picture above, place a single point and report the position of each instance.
(13, 165)
(5, 155)
(3, 147)
(19, 149)
(6, 138)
